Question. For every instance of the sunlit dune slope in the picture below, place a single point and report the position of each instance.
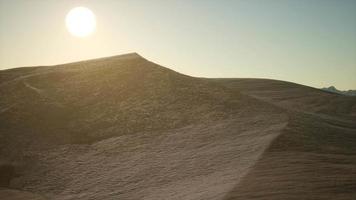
(123, 127)
(315, 155)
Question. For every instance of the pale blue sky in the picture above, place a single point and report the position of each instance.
(311, 42)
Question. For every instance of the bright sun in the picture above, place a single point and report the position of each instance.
(80, 21)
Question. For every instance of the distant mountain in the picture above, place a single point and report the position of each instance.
(126, 128)
(344, 92)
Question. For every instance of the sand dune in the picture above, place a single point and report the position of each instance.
(126, 128)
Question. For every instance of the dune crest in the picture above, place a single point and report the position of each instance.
(123, 127)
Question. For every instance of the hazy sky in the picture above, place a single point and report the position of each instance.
(312, 42)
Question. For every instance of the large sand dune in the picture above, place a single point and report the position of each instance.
(126, 128)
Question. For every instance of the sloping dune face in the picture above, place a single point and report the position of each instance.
(126, 128)
(314, 156)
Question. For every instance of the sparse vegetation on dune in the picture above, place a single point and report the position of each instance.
(126, 128)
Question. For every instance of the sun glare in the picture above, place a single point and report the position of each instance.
(80, 21)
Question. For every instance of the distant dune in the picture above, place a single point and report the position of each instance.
(125, 128)
(334, 90)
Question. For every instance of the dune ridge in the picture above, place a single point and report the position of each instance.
(124, 127)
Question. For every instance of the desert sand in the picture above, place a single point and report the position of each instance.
(126, 128)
